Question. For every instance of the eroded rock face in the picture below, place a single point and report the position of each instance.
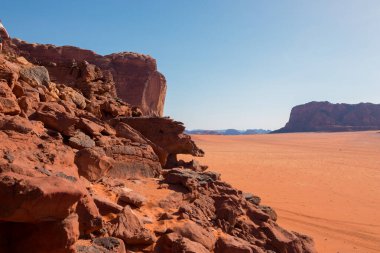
(166, 134)
(77, 162)
(328, 117)
(136, 78)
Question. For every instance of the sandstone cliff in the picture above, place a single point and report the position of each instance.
(81, 171)
(136, 78)
(328, 117)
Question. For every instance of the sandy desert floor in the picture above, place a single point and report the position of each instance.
(326, 185)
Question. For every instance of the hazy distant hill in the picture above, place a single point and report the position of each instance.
(228, 131)
(328, 117)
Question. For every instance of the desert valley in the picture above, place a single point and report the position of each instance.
(166, 147)
(322, 184)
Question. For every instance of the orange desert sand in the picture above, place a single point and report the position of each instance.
(326, 185)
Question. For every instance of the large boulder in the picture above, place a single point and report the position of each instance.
(132, 160)
(80, 140)
(88, 215)
(56, 117)
(285, 241)
(106, 206)
(130, 229)
(175, 243)
(34, 199)
(20, 124)
(101, 245)
(8, 101)
(131, 198)
(44, 237)
(118, 159)
(35, 75)
(230, 244)
(184, 245)
(167, 136)
(166, 133)
(69, 94)
(9, 71)
(125, 131)
(196, 233)
(93, 163)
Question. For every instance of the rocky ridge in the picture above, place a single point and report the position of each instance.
(135, 76)
(328, 117)
(83, 171)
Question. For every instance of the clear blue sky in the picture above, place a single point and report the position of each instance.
(229, 63)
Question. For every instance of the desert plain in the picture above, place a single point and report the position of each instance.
(326, 185)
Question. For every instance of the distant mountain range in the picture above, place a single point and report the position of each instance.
(228, 131)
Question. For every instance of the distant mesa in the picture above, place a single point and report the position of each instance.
(328, 117)
(228, 132)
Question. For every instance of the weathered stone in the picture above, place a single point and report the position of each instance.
(101, 245)
(166, 133)
(88, 215)
(44, 237)
(18, 124)
(93, 163)
(256, 214)
(36, 75)
(56, 117)
(284, 241)
(34, 199)
(106, 206)
(130, 229)
(229, 244)
(9, 106)
(80, 140)
(8, 102)
(131, 198)
(269, 211)
(125, 131)
(252, 198)
(189, 178)
(133, 160)
(184, 245)
(69, 94)
(90, 127)
(196, 233)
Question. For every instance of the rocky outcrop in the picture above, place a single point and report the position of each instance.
(82, 171)
(137, 80)
(166, 134)
(328, 117)
(246, 228)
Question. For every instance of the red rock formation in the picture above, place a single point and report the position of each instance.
(70, 150)
(167, 135)
(136, 78)
(327, 117)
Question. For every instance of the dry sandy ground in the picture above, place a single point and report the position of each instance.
(326, 185)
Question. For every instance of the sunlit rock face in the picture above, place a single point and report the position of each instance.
(136, 78)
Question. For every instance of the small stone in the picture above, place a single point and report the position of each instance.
(132, 198)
